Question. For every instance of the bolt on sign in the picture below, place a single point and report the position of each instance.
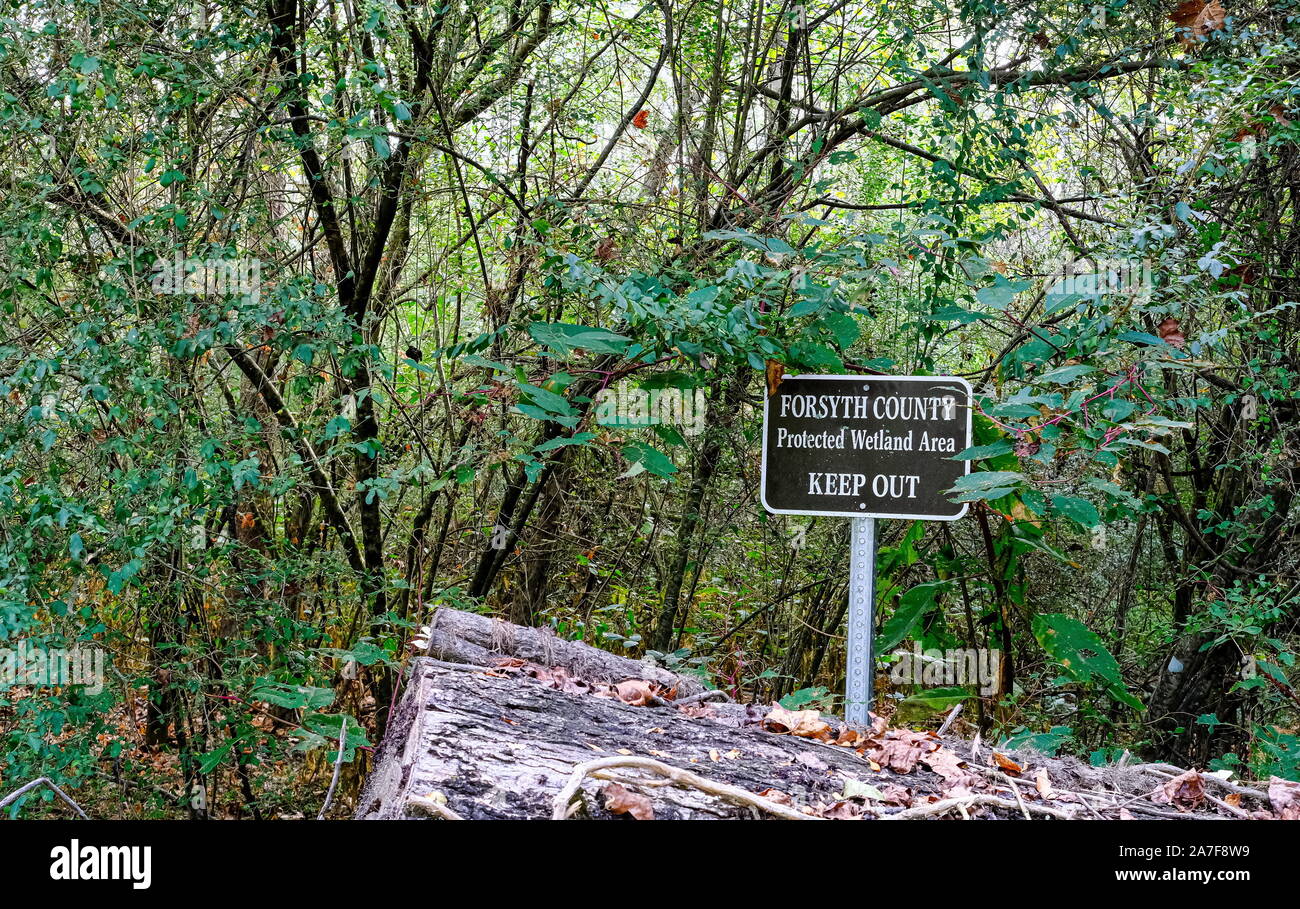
(854, 446)
(865, 447)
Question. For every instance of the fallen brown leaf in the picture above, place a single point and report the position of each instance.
(1043, 783)
(776, 795)
(803, 723)
(957, 779)
(897, 795)
(1284, 796)
(637, 692)
(1006, 764)
(847, 736)
(621, 800)
(900, 749)
(846, 810)
(1185, 792)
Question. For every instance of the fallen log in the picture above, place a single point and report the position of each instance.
(502, 722)
(463, 637)
(490, 745)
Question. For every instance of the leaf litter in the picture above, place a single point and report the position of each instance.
(916, 773)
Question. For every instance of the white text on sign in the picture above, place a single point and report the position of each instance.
(883, 485)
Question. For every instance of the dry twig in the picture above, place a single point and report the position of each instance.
(733, 794)
(20, 791)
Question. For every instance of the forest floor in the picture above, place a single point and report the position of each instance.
(500, 721)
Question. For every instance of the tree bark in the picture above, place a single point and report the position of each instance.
(721, 409)
(463, 637)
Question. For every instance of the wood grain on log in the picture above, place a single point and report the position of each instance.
(463, 637)
(478, 737)
(503, 746)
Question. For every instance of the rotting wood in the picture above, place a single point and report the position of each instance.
(476, 735)
(463, 637)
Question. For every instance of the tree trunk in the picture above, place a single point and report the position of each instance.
(721, 408)
(1201, 686)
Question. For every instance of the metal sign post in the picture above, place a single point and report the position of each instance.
(862, 597)
(865, 447)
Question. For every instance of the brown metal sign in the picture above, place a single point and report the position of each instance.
(866, 446)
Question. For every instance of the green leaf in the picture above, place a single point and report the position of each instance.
(321, 730)
(548, 400)
(929, 701)
(976, 452)
(954, 313)
(292, 696)
(364, 653)
(815, 355)
(538, 413)
(669, 379)
(1055, 302)
(649, 458)
(1000, 295)
(1015, 411)
(985, 485)
(1082, 655)
(797, 700)
(843, 327)
(87, 66)
(484, 362)
(1047, 743)
(805, 307)
(564, 338)
(1080, 511)
(578, 439)
(912, 607)
(337, 427)
(987, 478)
(209, 761)
(1139, 337)
(670, 435)
(117, 580)
(702, 296)
(1065, 374)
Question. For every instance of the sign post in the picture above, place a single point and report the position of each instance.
(865, 448)
(862, 600)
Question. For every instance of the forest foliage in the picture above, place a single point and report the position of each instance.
(319, 315)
